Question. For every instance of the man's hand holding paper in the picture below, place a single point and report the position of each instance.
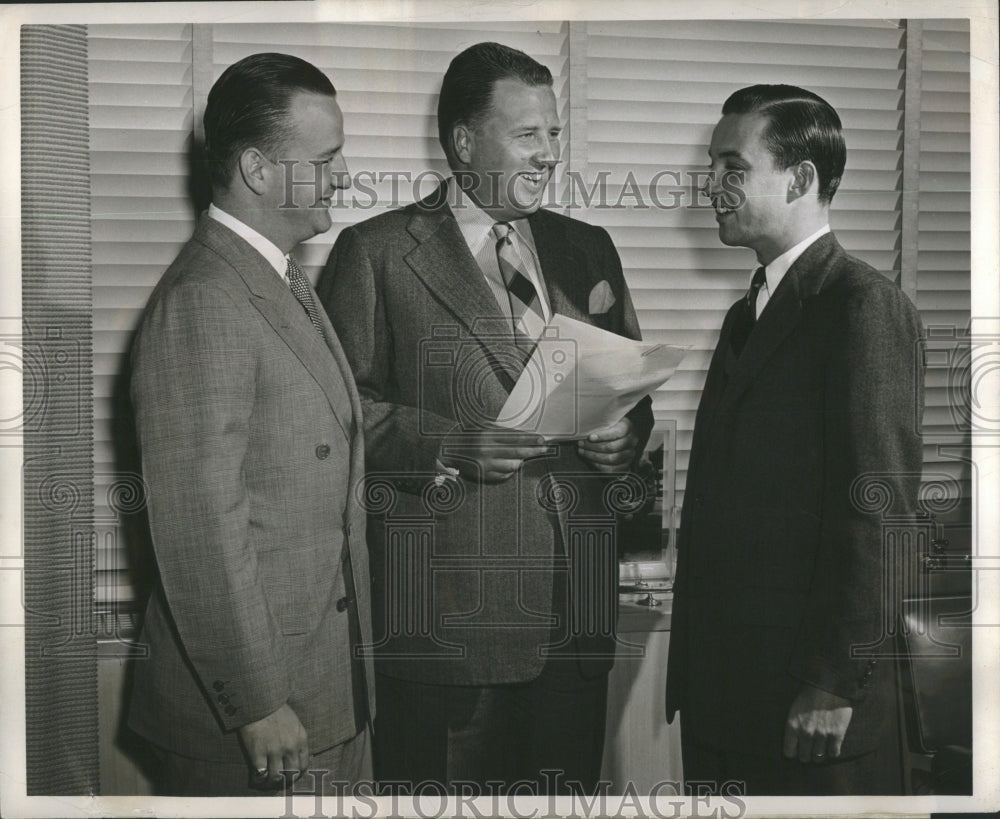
(611, 449)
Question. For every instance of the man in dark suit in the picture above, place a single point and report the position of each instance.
(812, 391)
(249, 425)
(495, 568)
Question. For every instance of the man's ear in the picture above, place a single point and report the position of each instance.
(253, 169)
(461, 143)
(804, 179)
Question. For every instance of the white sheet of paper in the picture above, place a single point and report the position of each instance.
(581, 378)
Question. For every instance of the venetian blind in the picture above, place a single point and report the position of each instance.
(943, 245)
(140, 132)
(654, 93)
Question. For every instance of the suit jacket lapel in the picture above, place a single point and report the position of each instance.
(282, 311)
(783, 314)
(563, 268)
(443, 261)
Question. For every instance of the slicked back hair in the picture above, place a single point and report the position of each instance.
(467, 90)
(801, 125)
(248, 108)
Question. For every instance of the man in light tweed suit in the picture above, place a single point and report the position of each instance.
(250, 430)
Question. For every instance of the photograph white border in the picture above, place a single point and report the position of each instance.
(985, 137)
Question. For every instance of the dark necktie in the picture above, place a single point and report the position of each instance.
(299, 288)
(523, 297)
(745, 322)
(756, 283)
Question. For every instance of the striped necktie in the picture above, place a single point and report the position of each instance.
(299, 288)
(525, 306)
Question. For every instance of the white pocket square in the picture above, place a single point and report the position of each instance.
(601, 298)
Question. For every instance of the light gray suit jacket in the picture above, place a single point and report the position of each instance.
(252, 450)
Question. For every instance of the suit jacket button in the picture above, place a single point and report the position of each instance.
(699, 500)
(223, 698)
(342, 604)
(230, 710)
(218, 685)
(322, 451)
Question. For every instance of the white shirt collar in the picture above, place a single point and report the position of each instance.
(777, 269)
(477, 225)
(265, 247)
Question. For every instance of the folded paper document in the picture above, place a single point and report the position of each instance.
(581, 378)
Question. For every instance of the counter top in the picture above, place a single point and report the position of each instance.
(633, 617)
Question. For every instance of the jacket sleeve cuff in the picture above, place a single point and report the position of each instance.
(817, 672)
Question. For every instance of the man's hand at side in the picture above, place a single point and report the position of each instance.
(816, 725)
(275, 743)
(611, 449)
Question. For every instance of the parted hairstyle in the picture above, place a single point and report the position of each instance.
(801, 125)
(248, 108)
(467, 89)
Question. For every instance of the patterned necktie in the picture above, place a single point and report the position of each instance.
(525, 306)
(297, 283)
(745, 323)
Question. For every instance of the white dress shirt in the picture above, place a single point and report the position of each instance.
(265, 247)
(776, 270)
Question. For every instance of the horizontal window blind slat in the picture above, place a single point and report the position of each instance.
(161, 95)
(673, 58)
(946, 101)
(141, 120)
(868, 34)
(641, 91)
(154, 117)
(446, 38)
(150, 74)
(113, 35)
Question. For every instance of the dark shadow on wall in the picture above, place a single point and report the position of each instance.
(134, 528)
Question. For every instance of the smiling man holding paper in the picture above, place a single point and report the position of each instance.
(493, 646)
